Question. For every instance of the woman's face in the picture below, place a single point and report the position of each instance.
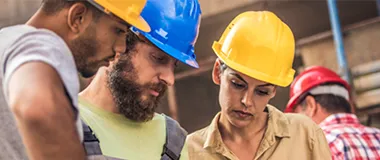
(241, 97)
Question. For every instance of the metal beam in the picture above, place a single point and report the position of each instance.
(329, 34)
(335, 25)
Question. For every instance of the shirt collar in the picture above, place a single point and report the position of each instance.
(277, 127)
(340, 118)
(213, 136)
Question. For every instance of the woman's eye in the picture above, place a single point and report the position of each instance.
(262, 93)
(238, 85)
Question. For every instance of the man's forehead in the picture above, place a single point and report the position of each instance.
(108, 14)
(158, 50)
(146, 41)
(119, 20)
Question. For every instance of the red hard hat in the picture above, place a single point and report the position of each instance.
(309, 79)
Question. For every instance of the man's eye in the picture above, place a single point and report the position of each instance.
(159, 59)
(120, 31)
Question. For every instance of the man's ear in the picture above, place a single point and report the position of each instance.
(311, 105)
(216, 72)
(78, 18)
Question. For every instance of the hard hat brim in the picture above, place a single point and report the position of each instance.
(184, 58)
(132, 18)
(139, 23)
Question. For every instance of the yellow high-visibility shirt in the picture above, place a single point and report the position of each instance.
(123, 138)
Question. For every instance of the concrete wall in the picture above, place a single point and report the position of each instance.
(17, 11)
(213, 7)
(361, 46)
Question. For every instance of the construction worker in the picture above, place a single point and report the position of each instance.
(255, 56)
(119, 104)
(322, 95)
(39, 65)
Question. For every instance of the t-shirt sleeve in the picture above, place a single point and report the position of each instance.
(47, 47)
(44, 47)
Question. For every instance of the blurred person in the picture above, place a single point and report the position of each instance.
(119, 104)
(322, 95)
(255, 56)
(39, 65)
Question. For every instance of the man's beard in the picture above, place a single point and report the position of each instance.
(83, 48)
(127, 94)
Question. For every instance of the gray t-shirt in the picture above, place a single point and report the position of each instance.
(19, 45)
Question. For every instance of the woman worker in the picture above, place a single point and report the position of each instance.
(255, 56)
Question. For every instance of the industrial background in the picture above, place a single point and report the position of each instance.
(355, 53)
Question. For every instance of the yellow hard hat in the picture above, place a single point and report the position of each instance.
(259, 45)
(127, 10)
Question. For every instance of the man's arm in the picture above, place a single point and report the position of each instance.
(43, 113)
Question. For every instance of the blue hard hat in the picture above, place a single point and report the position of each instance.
(174, 27)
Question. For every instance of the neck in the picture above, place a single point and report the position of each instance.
(51, 22)
(98, 92)
(319, 119)
(243, 134)
(320, 115)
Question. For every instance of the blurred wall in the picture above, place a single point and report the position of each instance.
(197, 96)
(17, 11)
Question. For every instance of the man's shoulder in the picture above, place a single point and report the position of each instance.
(293, 120)
(340, 132)
(34, 43)
(301, 122)
(26, 29)
(22, 43)
(171, 124)
(88, 111)
(15, 31)
(25, 33)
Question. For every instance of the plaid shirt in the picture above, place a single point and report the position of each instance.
(349, 140)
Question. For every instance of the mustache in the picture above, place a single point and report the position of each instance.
(158, 87)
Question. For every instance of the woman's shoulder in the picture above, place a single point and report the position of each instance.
(294, 121)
